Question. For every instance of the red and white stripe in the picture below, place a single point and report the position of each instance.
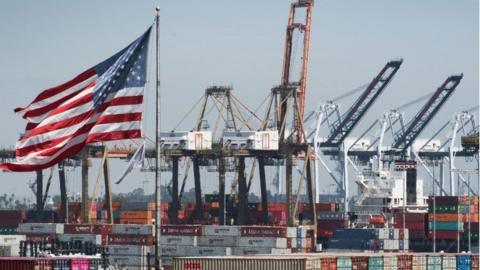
(62, 120)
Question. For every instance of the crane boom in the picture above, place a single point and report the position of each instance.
(403, 139)
(362, 104)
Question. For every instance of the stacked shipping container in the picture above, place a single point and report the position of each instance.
(369, 239)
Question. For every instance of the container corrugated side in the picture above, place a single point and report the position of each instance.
(245, 263)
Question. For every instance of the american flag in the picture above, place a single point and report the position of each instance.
(103, 103)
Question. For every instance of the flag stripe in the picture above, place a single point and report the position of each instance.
(57, 90)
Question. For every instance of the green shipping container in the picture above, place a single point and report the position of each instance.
(344, 263)
(375, 263)
(446, 226)
(8, 230)
(116, 214)
(449, 209)
(339, 207)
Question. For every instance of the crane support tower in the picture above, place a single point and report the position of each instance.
(295, 90)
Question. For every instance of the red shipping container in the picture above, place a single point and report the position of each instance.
(413, 226)
(360, 263)
(331, 224)
(324, 233)
(404, 262)
(11, 217)
(130, 239)
(440, 234)
(328, 263)
(40, 237)
(325, 207)
(16, 263)
(263, 231)
(475, 261)
(409, 217)
(187, 230)
(87, 229)
(445, 200)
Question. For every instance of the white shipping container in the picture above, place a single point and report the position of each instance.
(390, 261)
(129, 250)
(178, 240)
(297, 232)
(40, 228)
(127, 261)
(10, 250)
(241, 251)
(212, 230)
(218, 241)
(269, 242)
(208, 251)
(266, 140)
(133, 229)
(419, 260)
(12, 239)
(295, 241)
(396, 233)
(167, 261)
(199, 140)
(92, 238)
(383, 233)
(449, 262)
(174, 251)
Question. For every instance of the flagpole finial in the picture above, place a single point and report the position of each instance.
(157, 8)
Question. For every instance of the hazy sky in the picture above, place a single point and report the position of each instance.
(238, 43)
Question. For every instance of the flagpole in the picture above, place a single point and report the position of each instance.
(157, 144)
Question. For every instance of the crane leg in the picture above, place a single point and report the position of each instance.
(198, 190)
(221, 190)
(263, 188)
(242, 193)
(63, 192)
(288, 188)
(39, 193)
(85, 204)
(108, 190)
(175, 200)
(312, 194)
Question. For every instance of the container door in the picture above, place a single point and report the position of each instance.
(265, 141)
(199, 141)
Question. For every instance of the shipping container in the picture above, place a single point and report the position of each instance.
(208, 251)
(40, 228)
(179, 240)
(449, 262)
(187, 230)
(221, 230)
(263, 231)
(133, 229)
(16, 263)
(130, 239)
(446, 226)
(11, 217)
(85, 238)
(328, 263)
(247, 263)
(375, 263)
(87, 229)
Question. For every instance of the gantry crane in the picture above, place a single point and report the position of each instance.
(333, 145)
